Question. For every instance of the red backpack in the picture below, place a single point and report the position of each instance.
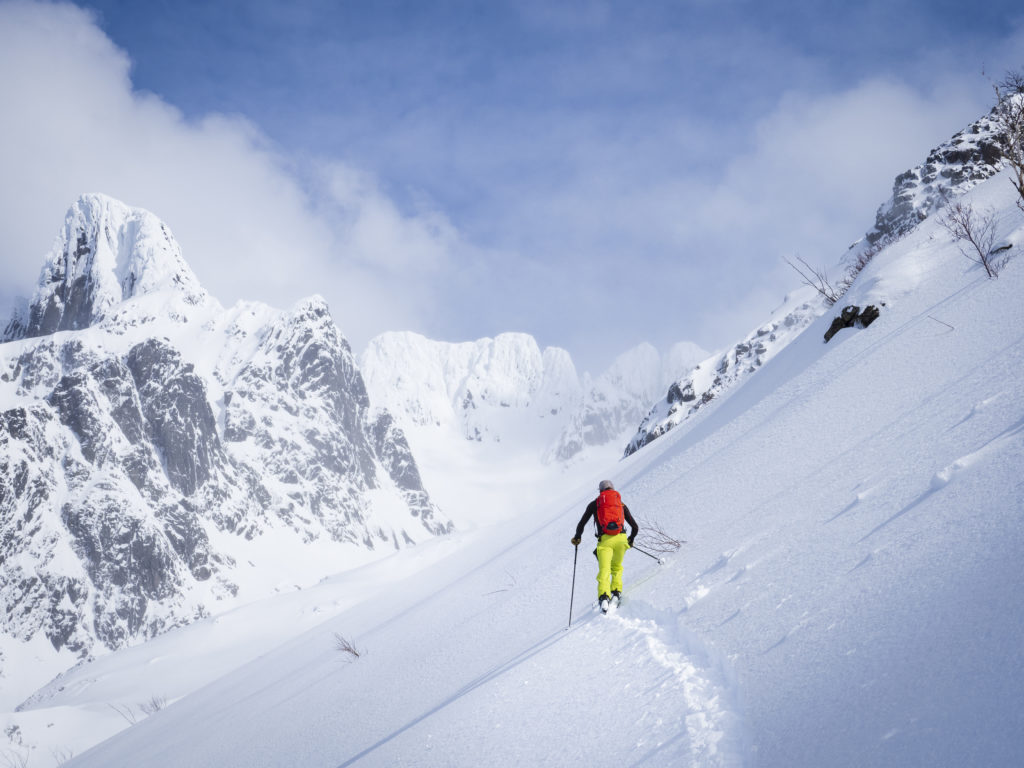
(610, 518)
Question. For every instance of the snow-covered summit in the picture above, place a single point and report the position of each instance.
(106, 253)
(616, 400)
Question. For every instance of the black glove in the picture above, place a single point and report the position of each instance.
(630, 541)
(575, 541)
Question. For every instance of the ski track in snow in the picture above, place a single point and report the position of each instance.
(947, 474)
(669, 698)
(711, 726)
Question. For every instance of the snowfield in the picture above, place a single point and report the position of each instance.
(849, 593)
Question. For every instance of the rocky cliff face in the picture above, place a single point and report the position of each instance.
(502, 391)
(968, 158)
(140, 423)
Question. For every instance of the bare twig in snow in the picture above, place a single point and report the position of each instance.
(126, 712)
(653, 537)
(816, 279)
(155, 704)
(346, 646)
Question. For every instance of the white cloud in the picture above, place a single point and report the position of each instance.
(375, 232)
(73, 124)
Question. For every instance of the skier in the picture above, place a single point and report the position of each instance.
(610, 516)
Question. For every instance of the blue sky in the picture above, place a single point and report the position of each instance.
(594, 173)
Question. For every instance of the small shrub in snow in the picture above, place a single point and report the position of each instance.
(14, 759)
(977, 230)
(126, 712)
(863, 259)
(655, 539)
(816, 279)
(346, 646)
(155, 704)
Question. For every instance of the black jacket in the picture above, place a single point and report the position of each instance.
(592, 513)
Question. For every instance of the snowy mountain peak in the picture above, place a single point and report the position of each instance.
(172, 456)
(105, 254)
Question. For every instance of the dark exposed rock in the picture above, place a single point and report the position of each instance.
(851, 316)
(179, 421)
(968, 157)
(684, 394)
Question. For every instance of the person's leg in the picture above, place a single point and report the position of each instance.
(619, 545)
(605, 552)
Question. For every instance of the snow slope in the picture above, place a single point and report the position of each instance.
(849, 593)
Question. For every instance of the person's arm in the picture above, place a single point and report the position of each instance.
(589, 513)
(634, 528)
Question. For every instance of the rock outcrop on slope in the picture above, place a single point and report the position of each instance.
(719, 373)
(968, 158)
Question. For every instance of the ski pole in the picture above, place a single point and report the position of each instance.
(572, 594)
(661, 560)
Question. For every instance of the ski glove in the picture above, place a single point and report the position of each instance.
(575, 542)
(630, 542)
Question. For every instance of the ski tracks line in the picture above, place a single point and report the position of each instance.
(713, 723)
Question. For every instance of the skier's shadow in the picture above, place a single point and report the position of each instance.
(471, 686)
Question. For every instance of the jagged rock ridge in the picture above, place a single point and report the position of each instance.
(968, 158)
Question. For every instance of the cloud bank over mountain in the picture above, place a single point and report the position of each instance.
(510, 194)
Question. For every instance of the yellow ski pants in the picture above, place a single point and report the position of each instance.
(610, 551)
